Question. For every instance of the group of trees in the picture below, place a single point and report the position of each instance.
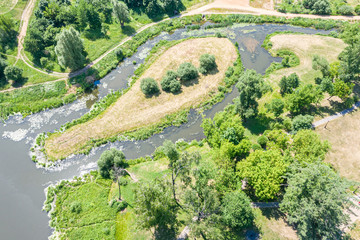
(186, 72)
(156, 7)
(10, 73)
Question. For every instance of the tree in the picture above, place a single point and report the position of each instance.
(13, 73)
(149, 86)
(264, 171)
(155, 208)
(3, 65)
(7, 32)
(318, 6)
(302, 122)
(302, 98)
(327, 85)
(93, 18)
(187, 72)
(121, 12)
(320, 63)
(236, 210)
(276, 106)
(251, 87)
(346, 10)
(350, 61)
(342, 89)
(308, 147)
(288, 84)
(69, 49)
(170, 83)
(315, 200)
(207, 63)
(109, 161)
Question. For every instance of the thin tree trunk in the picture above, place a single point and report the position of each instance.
(119, 189)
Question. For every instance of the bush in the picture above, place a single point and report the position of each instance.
(76, 207)
(170, 83)
(256, 147)
(149, 86)
(207, 63)
(262, 140)
(302, 122)
(13, 73)
(187, 72)
(119, 205)
(288, 84)
(346, 10)
(357, 9)
(44, 61)
(119, 54)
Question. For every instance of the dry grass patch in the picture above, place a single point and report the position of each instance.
(266, 4)
(304, 46)
(133, 110)
(343, 135)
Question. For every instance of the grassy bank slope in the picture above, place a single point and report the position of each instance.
(133, 110)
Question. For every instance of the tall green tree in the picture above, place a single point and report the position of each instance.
(302, 98)
(121, 12)
(315, 200)
(3, 65)
(156, 208)
(13, 73)
(251, 87)
(109, 161)
(320, 63)
(264, 171)
(70, 49)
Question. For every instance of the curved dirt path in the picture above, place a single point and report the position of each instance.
(12, 7)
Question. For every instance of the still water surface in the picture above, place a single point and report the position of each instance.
(22, 184)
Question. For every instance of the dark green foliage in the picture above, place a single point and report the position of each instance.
(276, 106)
(149, 86)
(3, 65)
(187, 72)
(75, 207)
(7, 33)
(315, 200)
(207, 63)
(13, 73)
(119, 54)
(251, 87)
(342, 89)
(318, 6)
(302, 98)
(302, 122)
(327, 85)
(170, 83)
(110, 160)
(170, 151)
(350, 61)
(357, 9)
(288, 84)
(262, 140)
(155, 208)
(236, 211)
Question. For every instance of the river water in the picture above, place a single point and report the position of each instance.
(22, 184)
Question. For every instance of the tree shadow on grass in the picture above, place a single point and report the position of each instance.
(20, 83)
(258, 124)
(192, 82)
(212, 72)
(148, 96)
(128, 30)
(94, 34)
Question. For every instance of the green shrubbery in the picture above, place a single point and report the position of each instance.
(170, 83)
(187, 72)
(149, 86)
(207, 63)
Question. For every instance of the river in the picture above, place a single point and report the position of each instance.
(22, 184)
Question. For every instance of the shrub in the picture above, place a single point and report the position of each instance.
(207, 63)
(170, 83)
(256, 147)
(288, 84)
(149, 86)
(346, 10)
(119, 54)
(75, 207)
(187, 72)
(44, 61)
(13, 73)
(262, 140)
(357, 9)
(302, 122)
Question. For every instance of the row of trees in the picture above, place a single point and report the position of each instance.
(186, 72)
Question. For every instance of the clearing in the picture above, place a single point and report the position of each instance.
(343, 136)
(7, 5)
(133, 110)
(304, 46)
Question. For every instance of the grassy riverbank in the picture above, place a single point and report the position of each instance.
(133, 110)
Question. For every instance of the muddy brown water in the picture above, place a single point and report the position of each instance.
(22, 184)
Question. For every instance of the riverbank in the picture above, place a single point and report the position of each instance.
(133, 110)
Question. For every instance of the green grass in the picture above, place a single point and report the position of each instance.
(16, 12)
(34, 99)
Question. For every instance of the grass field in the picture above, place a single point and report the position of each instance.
(343, 135)
(266, 4)
(304, 46)
(133, 110)
(6, 5)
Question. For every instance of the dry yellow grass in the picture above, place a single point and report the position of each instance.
(343, 135)
(304, 46)
(133, 110)
(266, 4)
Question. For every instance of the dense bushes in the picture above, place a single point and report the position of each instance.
(170, 83)
(207, 63)
(288, 84)
(149, 86)
(187, 72)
